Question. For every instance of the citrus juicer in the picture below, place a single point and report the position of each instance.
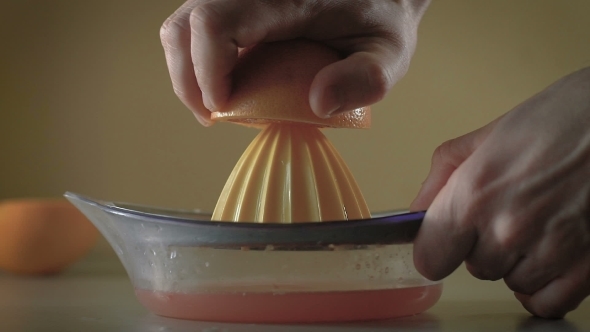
(183, 265)
(291, 239)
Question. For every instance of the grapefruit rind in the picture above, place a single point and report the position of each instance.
(271, 84)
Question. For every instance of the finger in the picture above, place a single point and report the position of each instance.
(176, 36)
(503, 242)
(376, 57)
(445, 237)
(531, 275)
(548, 259)
(561, 295)
(220, 27)
(361, 79)
(214, 51)
(491, 262)
(445, 160)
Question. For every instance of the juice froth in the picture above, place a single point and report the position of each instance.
(292, 307)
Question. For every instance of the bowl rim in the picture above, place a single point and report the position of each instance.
(390, 227)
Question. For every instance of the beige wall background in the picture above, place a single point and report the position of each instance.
(86, 104)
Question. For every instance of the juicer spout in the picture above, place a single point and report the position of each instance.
(96, 212)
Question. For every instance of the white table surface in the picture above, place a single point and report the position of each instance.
(95, 295)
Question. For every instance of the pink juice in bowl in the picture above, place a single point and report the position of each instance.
(292, 307)
(274, 286)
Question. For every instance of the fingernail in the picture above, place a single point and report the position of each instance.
(331, 103)
(208, 104)
(333, 111)
(202, 120)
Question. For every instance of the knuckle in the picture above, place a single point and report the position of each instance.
(481, 272)
(511, 231)
(171, 30)
(515, 284)
(209, 19)
(508, 235)
(448, 153)
(509, 240)
(441, 153)
(475, 271)
(495, 277)
(379, 79)
(404, 41)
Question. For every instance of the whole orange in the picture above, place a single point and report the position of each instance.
(42, 236)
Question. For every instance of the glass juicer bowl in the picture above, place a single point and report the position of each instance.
(183, 265)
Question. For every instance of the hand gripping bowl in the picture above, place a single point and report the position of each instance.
(183, 265)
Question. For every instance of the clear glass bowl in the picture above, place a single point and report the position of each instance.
(184, 266)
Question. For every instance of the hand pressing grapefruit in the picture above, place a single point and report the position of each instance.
(271, 83)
